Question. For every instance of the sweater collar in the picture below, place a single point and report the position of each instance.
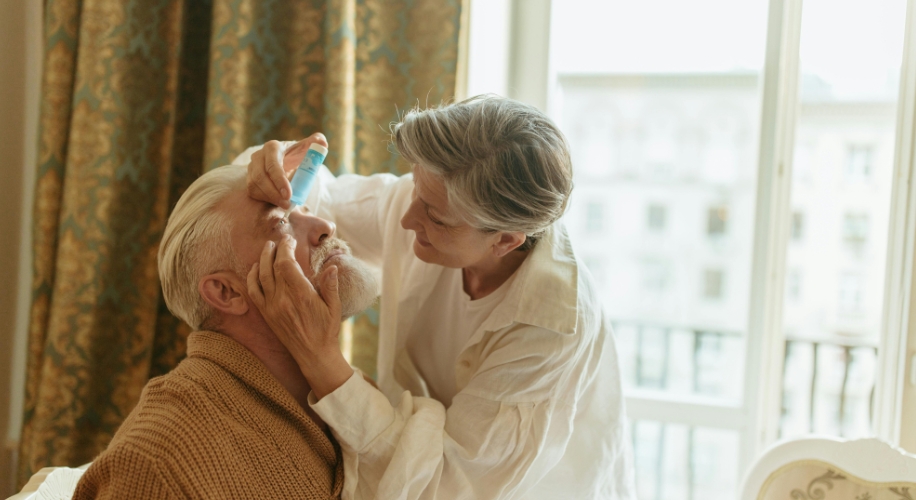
(243, 364)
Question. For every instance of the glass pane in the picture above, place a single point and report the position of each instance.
(842, 169)
(679, 360)
(680, 462)
(662, 119)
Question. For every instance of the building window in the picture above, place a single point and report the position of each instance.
(855, 230)
(850, 293)
(798, 226)
(594, 217)
(713, 284)
(657, 216)
(717, 220)
(859, 162)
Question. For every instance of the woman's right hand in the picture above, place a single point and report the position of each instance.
(272, 166)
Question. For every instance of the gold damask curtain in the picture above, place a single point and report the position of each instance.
(140, 97)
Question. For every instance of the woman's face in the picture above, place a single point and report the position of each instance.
(441, 237)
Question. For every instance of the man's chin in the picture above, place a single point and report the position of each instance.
(358, 286)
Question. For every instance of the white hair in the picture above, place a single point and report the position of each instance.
(505, 165)
(197, 242)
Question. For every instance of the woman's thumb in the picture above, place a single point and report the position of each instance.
(330, 289)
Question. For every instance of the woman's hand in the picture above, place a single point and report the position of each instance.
(306, 322)
(272, 166)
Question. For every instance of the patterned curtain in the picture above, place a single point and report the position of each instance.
(138, 98)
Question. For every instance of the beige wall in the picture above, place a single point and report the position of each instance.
(20, 60)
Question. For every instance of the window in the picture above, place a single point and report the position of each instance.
(685, 128)
(850, 301)
(793, 284)
(717, 219)
(798, 226)
(859, 163)
(656, 217)
(855, 229)
(712, 284)
(661, 129)
(595, 266)
(594, 217)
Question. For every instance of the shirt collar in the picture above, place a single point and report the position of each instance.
(545, 290)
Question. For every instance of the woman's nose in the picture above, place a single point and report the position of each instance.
(409, 220)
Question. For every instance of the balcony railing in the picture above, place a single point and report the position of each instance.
(684, 387)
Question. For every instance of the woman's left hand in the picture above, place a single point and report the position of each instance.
(306, 322)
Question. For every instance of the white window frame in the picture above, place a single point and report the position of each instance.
(527, 76)
(894, 394)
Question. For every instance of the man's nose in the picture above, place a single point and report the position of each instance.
(319, 229)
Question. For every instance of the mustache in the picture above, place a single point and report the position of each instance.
(320, 253)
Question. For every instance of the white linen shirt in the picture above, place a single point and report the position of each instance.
(539, 411)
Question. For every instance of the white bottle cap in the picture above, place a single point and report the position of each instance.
(321, 149)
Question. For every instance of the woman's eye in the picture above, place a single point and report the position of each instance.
(433, 219)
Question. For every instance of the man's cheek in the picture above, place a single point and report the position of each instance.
(303, 259)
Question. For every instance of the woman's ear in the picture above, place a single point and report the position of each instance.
(507, 242)
(224, 292)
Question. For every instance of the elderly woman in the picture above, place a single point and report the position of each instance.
(497, 371)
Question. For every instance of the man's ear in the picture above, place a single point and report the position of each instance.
(224, 292)
(507, 242)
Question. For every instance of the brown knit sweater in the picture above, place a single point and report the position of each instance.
(217, 426)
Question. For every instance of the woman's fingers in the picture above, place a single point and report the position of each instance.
(266, 180)
(294, 155)
(319, 138)
(330, 290)
(289, 272)
(266, 270)
(254, 287)
(273, 169)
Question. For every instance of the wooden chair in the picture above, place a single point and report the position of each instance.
(828, 469)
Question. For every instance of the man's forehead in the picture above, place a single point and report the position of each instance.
(248, 214)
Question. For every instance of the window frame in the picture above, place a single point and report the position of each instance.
(894, 394)
(529, 78)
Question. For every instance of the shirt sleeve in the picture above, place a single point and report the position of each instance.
(504, 431)
(123, 472)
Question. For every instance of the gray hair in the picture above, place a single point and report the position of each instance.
(197, 242)
(505, 165)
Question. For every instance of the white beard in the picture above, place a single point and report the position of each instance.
(358, 286)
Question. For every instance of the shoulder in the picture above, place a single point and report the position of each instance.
(126, 470)
(167, 405)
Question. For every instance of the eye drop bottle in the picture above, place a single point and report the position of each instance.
(305, 176)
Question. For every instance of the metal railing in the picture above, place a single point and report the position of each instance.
(829, 403)
(835, 378)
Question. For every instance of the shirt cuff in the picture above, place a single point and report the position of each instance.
(356, 411)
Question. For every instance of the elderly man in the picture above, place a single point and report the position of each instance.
(232, 420)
